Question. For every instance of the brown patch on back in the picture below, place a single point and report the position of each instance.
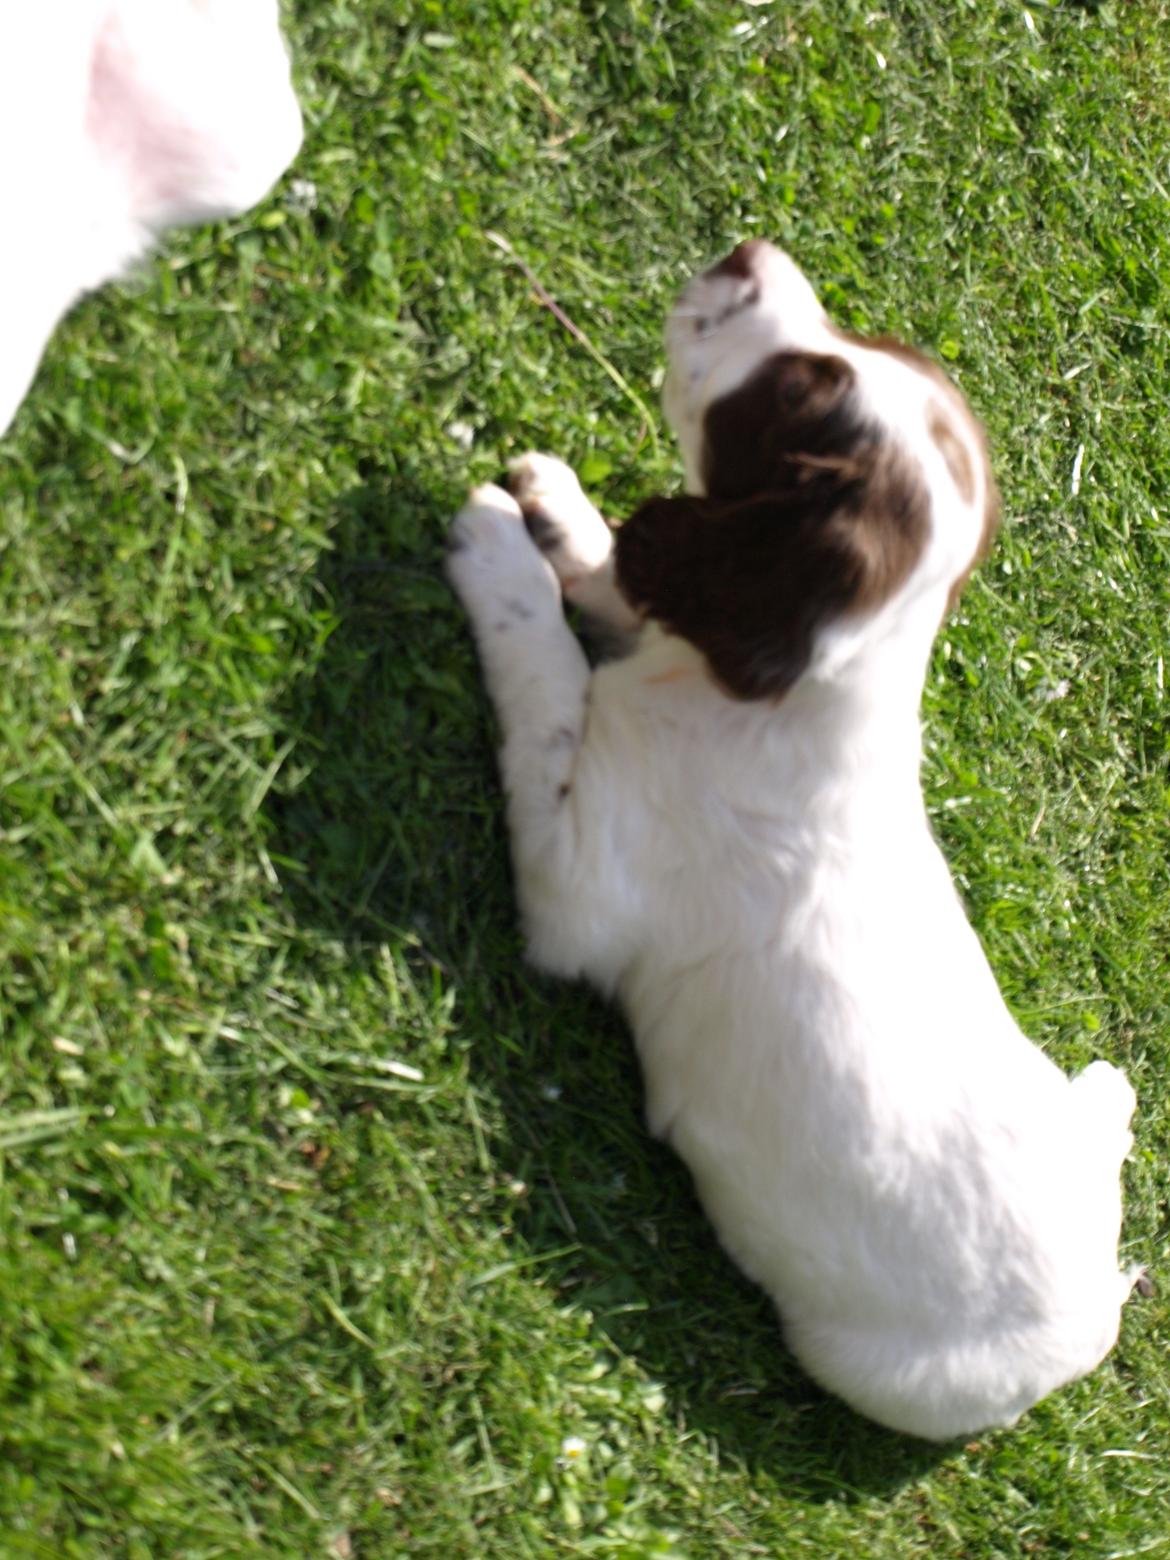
(810, 514)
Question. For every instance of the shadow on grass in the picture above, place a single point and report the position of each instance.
(649, 1270)
(384, 823)
(392, 830)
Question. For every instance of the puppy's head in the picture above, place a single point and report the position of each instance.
(834, 481)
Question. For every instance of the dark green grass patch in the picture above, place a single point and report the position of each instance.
(324, 1226)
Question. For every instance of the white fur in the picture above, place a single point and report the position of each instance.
(933, 1205)
(117, 119)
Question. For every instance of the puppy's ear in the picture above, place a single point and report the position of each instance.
(750, 582)
(795, 402)
(744, 582)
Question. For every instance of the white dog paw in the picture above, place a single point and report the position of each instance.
(561, 520)
(1107, 1106)
(1111, 1088)
(488, 519)
(492, 563)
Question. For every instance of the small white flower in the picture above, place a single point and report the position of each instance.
(460, 433)
(572, 1448)
(301, 197)
(1050, 691)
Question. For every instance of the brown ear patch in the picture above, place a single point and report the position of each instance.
(809, 516)
(942, 430)
(990, 526)
(792, 412)
(954, 408)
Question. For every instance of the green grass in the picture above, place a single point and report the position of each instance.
(323, 1223)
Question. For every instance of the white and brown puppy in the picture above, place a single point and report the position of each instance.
(725, 830)
(119, 118)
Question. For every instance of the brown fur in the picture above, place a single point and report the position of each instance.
(953, 450)
(952, 410)
(741, 261)
(808, 515)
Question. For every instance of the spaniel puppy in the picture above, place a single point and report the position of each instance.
(725, 830)
(119, 118)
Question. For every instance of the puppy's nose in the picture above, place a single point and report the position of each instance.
(745, 260)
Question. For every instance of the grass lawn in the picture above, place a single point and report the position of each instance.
(324, 1223)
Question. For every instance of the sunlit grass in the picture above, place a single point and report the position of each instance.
(327, 1228)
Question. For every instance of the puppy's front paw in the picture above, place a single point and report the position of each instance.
(488, 519)
(1110, 1091)
(492, 563)
(561, 520)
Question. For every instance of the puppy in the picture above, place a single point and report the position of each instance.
(119, 118)
(725, 830)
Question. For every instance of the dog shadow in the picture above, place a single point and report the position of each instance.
(395, 831)
(616, 1216)
(386, 828)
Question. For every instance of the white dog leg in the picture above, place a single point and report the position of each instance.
(535, 670)
(572, 536)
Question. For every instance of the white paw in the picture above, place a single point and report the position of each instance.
(1109, 1104)
(498, 573)
(489, 518)
(563, 523)
(1111, 1087)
